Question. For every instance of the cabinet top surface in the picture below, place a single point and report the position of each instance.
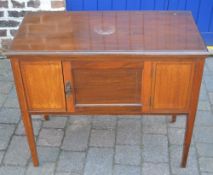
(131, 32)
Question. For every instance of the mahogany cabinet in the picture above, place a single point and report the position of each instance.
(108, 63)
(107, 86)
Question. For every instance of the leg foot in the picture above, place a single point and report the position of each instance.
(30, 137)
(46, 117)
(173, 118)
(187, 140)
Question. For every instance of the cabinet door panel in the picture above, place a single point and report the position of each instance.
(107, 86)
(43, 83)
(172, 85)
(99, 86)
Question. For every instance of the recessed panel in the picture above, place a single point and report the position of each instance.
(43, 82)
(107, 86)
(172, 85)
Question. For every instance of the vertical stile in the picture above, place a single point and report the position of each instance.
(68, 77)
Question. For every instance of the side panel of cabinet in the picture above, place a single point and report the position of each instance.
(171, 85)
(44, 86)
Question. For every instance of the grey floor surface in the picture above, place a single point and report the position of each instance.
(105, 145)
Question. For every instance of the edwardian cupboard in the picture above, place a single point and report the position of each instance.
(108, 63)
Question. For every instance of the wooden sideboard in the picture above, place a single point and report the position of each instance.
(108, 63)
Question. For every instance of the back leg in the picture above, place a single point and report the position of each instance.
(173, 118)
(46, 117)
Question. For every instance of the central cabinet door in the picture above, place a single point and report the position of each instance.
(104, 86)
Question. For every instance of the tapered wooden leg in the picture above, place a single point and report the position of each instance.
(46, 117)
(193, 109)
(30, 137)
(173, 118)
(188, 136)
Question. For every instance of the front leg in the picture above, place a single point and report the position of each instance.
(27, 121)
(188, 137)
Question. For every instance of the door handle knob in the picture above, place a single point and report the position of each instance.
(68, 88)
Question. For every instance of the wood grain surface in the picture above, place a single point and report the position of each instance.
(112, 31)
